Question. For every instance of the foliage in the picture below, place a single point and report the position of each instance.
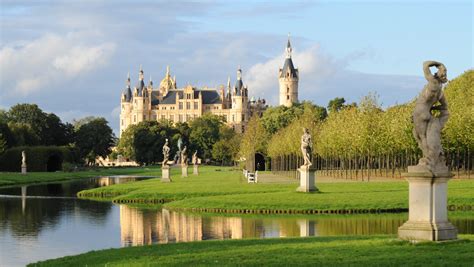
(336, 104)
(255, 138)
(37, 127)
(205, 133)
(275, 118)
(227, 148)
(94, 139)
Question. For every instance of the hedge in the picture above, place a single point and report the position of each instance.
(36, 157)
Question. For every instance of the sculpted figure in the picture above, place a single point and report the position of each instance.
(177, 156)
(306, 147)
(23, 158)
(427, 127)
(184, 156)
(195, 158)
(166, 153)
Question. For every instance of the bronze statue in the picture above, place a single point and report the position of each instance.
(166, 153)
(427, 127)
(306, 147)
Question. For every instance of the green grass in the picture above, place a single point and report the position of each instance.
(330, 251)
(15, 178)
(224, 189)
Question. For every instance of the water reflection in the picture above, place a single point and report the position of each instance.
(144, 227)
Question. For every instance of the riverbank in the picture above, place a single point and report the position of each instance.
(345, 250)
(223, 190)
(15, 178)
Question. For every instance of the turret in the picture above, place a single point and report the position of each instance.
(288, 78)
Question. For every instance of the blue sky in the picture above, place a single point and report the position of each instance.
(72, 57)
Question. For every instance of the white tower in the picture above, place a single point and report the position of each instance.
(288, 78)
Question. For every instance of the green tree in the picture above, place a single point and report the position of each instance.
(336, 104)
(255, 138)
(205, 133)
(94, 139)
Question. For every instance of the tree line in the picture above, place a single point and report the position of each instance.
(26, 125)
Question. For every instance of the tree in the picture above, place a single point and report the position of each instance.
(255, 138)
(94, 139)
(336, 104)
(227, 148)
(205, 133)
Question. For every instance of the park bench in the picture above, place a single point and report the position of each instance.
(252, 177)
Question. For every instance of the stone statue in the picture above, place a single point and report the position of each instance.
(184, 156)
(195, 158)
(23, 158)
(177, 157)
(306, 147)
(427, 126)
(166, 153)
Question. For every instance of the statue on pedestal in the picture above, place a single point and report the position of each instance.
(306, 147)
(166, 153)
(177, 156)
(427, 124)
(23, 162)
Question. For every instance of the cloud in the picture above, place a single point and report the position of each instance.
(323, 77)
(52, 59)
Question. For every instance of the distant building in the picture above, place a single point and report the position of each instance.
(168, 102)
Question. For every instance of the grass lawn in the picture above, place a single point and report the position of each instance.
(15, 178)
(355, 250)
(219, 189)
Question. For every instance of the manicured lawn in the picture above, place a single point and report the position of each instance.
(224, 190)
(15, 178)
(330, 251)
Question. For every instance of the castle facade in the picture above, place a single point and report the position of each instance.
(168, 102)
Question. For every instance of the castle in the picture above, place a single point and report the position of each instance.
(168, 102)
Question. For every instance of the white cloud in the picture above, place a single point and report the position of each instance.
(49, 60)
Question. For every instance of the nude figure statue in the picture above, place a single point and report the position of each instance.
(166, 153)
(306, 147)
(427, 127)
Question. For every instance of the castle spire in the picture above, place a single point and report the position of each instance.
(239, 73)
(228, 82)
(128, 79)
(168, 71)
(288, 47)
(140, 74)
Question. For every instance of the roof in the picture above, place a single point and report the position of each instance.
(289, 65)
(208, 97)
(238, 86)
(128, 94)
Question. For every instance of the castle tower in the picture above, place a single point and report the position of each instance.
(125, 103)
(139, 100)
(288, 78)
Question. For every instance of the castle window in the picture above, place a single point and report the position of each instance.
(134, 118)
(154, 117)
(287, 97)
(287, 90)
(163, 117)
(233, 117)
(188, 105)
(171, 117)
(243, 117)
(188, 117)
(180, 105)
(196, 105)
(180, 118)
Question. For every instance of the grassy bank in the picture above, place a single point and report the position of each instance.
(14, 178)
(360, 251)
(223, 190)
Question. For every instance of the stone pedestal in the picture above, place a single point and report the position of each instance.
(428, 212)
(196, 169)
(23, 168)
(165, 174)
(307, 179)
(184, 170)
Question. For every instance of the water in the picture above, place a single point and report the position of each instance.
(47, 221)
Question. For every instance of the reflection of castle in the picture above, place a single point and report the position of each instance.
(139, 227)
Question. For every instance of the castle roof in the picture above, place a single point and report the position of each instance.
(288, 67)
(128, 94)
(208, 97)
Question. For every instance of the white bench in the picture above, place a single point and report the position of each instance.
(252, 177)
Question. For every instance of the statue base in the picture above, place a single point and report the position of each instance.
(184, 170)
(165, 174)
(307, 179)
(196, 169)
(428, 212)
(23, 169)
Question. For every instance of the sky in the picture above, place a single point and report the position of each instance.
(72, 57)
